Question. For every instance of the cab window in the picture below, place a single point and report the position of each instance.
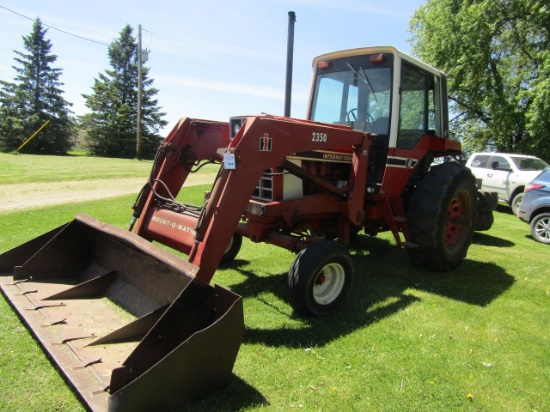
(354, 92)
(420, 106)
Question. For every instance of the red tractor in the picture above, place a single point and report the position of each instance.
(363, 161)
(374, 155)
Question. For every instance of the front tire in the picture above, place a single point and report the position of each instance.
(232, 249)
(319, 278)
(540, 228)
(442, 216)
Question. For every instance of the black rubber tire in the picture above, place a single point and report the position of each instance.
(486, 201)
(442, 215)
(540, 228)
(516, 200)
(485, 221)
(319, 278)
(233, 249)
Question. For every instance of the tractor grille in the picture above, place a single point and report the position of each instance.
(264, 189)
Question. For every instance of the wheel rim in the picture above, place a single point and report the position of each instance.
(329, 284)
(457, 225)
(542, 229)
(228, 248)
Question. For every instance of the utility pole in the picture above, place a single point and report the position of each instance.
(140, 87)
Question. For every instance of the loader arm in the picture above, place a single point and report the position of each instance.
(262, 143)
(189, 142)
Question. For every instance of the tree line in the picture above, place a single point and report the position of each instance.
(496, 54)
(35, 97)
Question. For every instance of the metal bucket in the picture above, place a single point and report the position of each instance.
(126, 322)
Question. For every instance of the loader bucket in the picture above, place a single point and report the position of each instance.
(126, 322)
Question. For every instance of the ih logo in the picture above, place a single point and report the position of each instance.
(265, 143)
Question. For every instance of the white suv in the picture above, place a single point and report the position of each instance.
(505, 173)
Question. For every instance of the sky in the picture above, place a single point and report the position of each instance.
(210, 59)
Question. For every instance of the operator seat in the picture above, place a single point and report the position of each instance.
(380, 125)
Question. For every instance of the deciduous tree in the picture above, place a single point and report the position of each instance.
(496, 54)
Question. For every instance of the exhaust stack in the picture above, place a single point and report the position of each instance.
(289, 61)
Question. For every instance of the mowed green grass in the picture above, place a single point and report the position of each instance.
(472, 339)
(21, 168)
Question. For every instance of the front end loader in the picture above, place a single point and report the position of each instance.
(127, 323)
(133, 327)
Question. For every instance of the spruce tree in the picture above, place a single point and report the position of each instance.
(111, 125)
(33, 98)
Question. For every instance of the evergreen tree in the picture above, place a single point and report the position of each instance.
(33, 98)
(111, 125)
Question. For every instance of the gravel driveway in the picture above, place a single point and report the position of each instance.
(28, 195)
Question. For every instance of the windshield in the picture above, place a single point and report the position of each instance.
(529, 163)
(354, 92)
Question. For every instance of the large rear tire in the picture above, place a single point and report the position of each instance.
(319, 278)
(442, 215)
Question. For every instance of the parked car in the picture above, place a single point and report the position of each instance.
(505, 173)
(535, 207)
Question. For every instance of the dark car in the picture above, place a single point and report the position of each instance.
(535, 207)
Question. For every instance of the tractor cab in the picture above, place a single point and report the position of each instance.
(382, 91)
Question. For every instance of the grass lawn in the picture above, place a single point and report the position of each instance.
(21, 168)
(406, 340)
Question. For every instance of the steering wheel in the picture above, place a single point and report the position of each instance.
(351, 116)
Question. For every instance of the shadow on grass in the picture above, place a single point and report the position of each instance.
(532, 239)
(239, 395)
(383, 285)
(488, 240)
(503, 208)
